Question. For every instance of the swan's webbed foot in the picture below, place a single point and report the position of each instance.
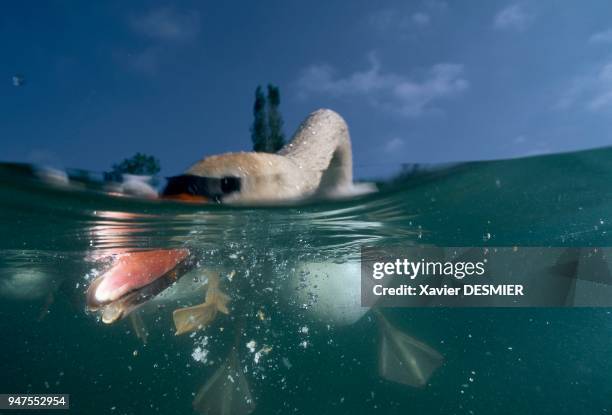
(404, 359)
(226, 392)
(189, 319)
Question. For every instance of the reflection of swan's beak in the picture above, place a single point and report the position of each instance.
(135, 278)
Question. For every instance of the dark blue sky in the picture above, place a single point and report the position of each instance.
(421, 81)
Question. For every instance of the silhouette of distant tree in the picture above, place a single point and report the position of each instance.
(267, 128)
(276, 138)
(259, 129)
(140, 164)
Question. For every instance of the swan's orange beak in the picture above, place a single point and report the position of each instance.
(186, 197)
(135, 278)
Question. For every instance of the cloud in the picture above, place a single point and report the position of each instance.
(524, 146)
(421, 19)
(436, 5)
(591, 91)
(602, 97)
(167, 24)
(512, 17)
(385, 90)
(167, 31)
(401, 22)
(601, 37)
(394, 144)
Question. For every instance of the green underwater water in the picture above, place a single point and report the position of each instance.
(497, 361)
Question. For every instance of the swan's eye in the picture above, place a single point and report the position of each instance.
(230, 184)
(213, 188)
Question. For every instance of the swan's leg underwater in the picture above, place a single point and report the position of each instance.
(139, 327)
(402, 358)
(226, 392)
(193, 318)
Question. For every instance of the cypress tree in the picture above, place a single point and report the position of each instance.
(259, 129)
(276, 138)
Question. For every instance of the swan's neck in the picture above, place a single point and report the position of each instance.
(322, 146)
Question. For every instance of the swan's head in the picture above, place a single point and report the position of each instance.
(241, 177)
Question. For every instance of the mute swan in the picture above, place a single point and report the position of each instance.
(316, 163)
